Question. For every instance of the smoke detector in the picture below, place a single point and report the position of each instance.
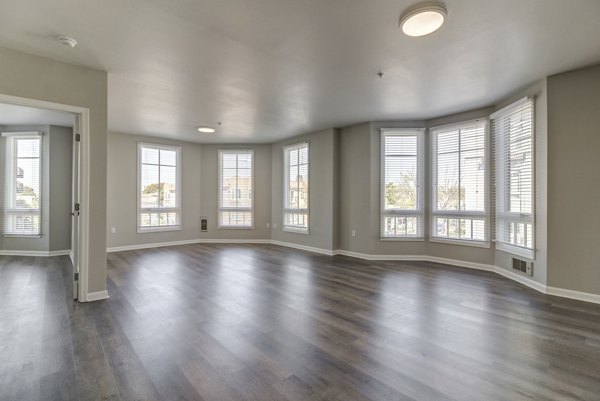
(67, 41)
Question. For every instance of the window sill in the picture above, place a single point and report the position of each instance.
(516, 251)
(35, 236)
(402, 239)
(235, 228)
(450, 241)
(295, 230)
(145, 230)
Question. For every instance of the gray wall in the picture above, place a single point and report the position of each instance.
(199, 192)
(56, 191)
(574, 180)
(42, 78)
(360, 190)
(323, 172)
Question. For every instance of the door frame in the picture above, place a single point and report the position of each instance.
(84, 178)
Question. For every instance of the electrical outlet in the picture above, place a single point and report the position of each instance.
(354, 233)
(113, 230)
(268, 225)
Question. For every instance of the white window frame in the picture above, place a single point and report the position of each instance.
(288, 228)
(10, 183)
(420, 213)
(458, 214)
(502, 217)
(235, 209)
(141, 210)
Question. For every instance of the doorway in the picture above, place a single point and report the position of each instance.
(43, 182)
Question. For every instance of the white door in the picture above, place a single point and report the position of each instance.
(75, 230)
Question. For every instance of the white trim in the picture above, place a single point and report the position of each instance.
(84, 178)
(34, 253)
(177, 209)
(522, 279)
(419, 213)
(221, 209)
(12, 134)
(286, 168)
(186, 242)
(484, 215)
(307, 248)
(463, 242)
(97, 296)
(578, 295)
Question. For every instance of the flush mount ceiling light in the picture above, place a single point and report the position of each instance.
(423, 19)
(205, 129)
(67, 41)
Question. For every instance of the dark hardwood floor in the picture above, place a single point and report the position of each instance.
(254, 322)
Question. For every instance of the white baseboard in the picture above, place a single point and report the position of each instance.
(559, 292)
(525, 280)
(187, 242)
(304, 247)
(578, 295)
(44, 254)
(97, 296)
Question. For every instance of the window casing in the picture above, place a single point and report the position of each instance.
(460, 183)
(296, 188)
(402, 178)
(22, 184)
(514, 148)
(159, 188)
(236, 188)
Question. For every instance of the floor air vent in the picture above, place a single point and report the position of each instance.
(523, 266)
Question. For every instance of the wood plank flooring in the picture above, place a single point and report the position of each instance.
(261, 322)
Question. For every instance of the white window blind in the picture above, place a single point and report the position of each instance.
(159, 188)
(402, 175)
(460, 180)
(296, 186)
(513, 131)
(21, 202)
(236, 182)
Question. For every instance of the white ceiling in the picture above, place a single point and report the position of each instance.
(21, 115)
(270, 69)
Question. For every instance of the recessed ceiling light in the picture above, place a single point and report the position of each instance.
(67, 41)
(423, 19)
(206, 130)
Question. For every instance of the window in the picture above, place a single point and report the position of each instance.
(236, 188)
(402, 184)
(22, 184)
(159, 191)
(460, 180)
(295, 207)
(514, 151)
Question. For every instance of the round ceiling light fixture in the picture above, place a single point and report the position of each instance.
(423, 19)
(67, 41)
(206, 130)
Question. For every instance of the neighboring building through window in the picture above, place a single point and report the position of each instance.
(460, 183)
(22, 184)
(236, 188)
(296, 188)
(513, 131)
(159, 192)
(402, 175)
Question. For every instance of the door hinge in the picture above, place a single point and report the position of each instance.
(76, 207)
(75, 276)
(77, 137)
